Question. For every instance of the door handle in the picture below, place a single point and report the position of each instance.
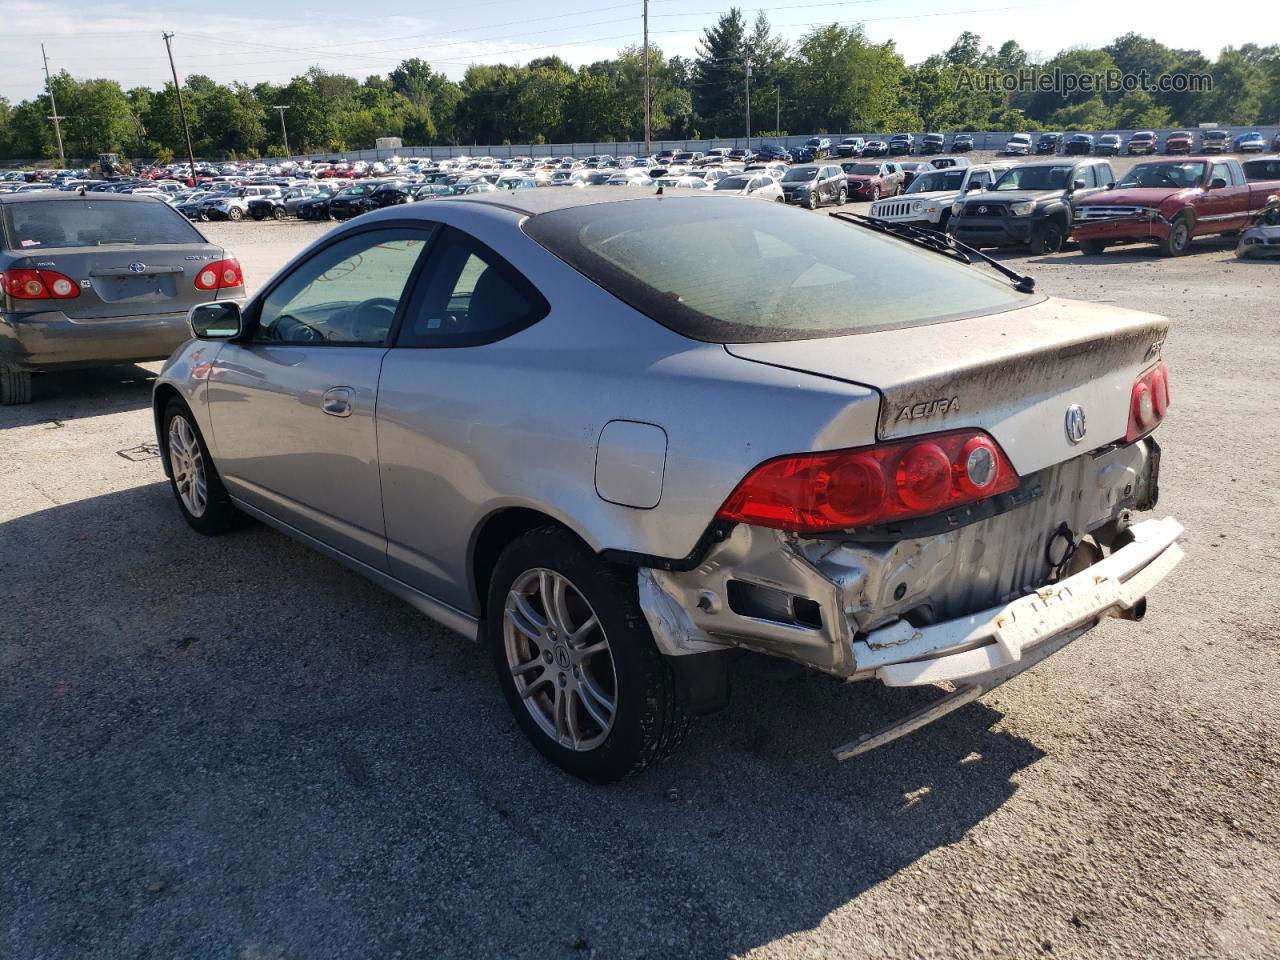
(337, 401)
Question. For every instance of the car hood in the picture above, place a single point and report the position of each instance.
(1009, 196)
(1140, 196)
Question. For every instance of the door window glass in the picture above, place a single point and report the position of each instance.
(1220, 170)
(346, 293)
(470, 296)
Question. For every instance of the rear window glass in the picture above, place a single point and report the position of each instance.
(51, 224)
(1262, 169)
(726, 271)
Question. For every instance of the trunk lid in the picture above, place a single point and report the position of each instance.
(1013, 374)
(129, 280)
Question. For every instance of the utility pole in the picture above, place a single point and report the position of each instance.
(748, 104)
(182, 110)
(53, 105)
(283, 132)
(777, 120)
(648, 147)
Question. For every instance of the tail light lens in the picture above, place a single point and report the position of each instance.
(38, 285)
(868, 486)
(1149, 402)
(220, 275)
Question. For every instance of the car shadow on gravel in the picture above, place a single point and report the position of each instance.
(72, 394)
(233, 747)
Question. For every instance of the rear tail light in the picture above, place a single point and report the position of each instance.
(38, 285)
(868, 486)
(220, 275)
(1149, 402)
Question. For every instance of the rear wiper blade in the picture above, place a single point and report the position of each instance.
(942, 243)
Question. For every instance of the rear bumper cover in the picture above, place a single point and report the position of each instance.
(51, 340)
(969, 648)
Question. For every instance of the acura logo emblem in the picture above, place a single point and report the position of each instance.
(137, 267)
(1075, 423)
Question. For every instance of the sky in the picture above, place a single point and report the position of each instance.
(251, 41)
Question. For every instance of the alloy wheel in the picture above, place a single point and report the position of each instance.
(186, 460)
(560, 660)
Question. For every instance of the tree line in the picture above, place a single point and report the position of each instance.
(834, 79)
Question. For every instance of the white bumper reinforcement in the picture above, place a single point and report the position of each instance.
(980, 652)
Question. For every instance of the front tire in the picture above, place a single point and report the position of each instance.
(279, 213)
(812, 202)
(234, 214)
(201, 497)
(576, 661)
(1179, 239)
(1049, 238)
(1093, 247)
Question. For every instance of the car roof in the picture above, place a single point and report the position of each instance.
(534, 202)
(67, 195)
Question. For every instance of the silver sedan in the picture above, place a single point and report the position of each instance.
(621, 438)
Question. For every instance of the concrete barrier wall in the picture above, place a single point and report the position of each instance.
(620, 148)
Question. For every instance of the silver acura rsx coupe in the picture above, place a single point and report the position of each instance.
(618, 437)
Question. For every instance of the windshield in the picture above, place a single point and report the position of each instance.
(1179, 175)
(861, 169)
(812, 142)
(938, 180)
(757, 272)
(732, 183)
(800, 174)
(1034, 178)
(44, 225)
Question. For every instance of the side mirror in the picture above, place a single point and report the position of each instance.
(973, 186)
(1111, 185)
(1217, 183)
(1077, 184)
(216, 321)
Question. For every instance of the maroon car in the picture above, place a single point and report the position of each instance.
(1180, 141)
(871, 180)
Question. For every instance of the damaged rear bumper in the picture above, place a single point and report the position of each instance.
(898, 608)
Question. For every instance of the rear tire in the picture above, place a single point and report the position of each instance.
(15, 386)
(843, 197)
(201, 497)
(559, 688)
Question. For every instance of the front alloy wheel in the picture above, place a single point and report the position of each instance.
(201, 497)
(811, 201)
(560, 660)
(186, 461)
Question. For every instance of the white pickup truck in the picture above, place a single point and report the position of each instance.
(927, 202)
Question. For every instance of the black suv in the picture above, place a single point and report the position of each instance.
(812, 184)
(963, 143)
(1049, 143)
(1030, 204)
(932, 143)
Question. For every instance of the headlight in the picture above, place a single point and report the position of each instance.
(916, 207)
(957, 207)
(1023, 208)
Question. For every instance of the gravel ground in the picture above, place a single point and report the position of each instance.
(233, 748)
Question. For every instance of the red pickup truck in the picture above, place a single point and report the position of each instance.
(1168, 202)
